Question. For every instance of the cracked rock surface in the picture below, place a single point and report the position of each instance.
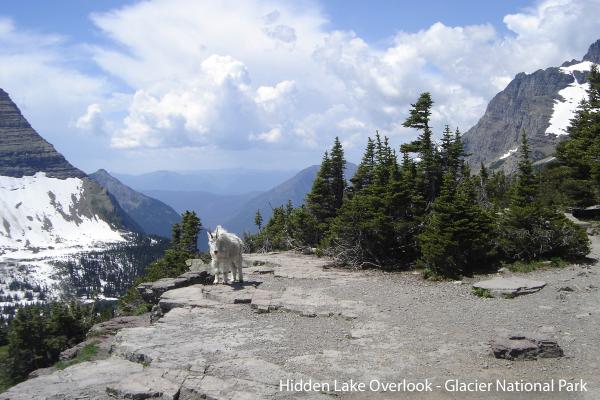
(295, 319)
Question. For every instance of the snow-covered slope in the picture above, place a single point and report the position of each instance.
(42, 212)
(51, 215)
(564, 109)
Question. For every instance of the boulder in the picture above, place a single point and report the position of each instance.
(151, 291)
(198, 265)
(524, 347)
(592, 212)
(112, 326)
(510, 286)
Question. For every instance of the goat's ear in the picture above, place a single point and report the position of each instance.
(209, 235)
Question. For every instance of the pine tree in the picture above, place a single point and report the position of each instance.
(320, 200)
(176, 235)
(365, 171)
(458, 236)
(327, 194)
(258, 220)
(338, 166)
(458, 154)
(190, 228)
(424, 146)
(525, 189)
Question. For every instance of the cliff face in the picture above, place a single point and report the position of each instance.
(540, 104)
(23, 152)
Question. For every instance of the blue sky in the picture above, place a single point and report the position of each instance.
(185, 85)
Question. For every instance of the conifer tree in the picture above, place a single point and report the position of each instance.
(458, 154)
(176, 235)
(320, 200)
(418, 118)
(258, 220)
(190, 228)
(446, 151)
(365, 171)
(327, 194)
(458, 236)
(525, 189)
(338, 166)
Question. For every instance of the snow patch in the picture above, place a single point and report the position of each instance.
(508, 153)
(563, 111)
(584, 66)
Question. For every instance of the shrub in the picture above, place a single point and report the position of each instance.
(535, 232)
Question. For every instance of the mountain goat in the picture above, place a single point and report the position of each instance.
(226, 253)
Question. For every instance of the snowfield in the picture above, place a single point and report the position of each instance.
(40, 224)
(572, 95)
(41, 212)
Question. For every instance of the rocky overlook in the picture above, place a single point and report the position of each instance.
(23, 151)
(296, 318)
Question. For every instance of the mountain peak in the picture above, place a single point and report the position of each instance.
(23, 152)
(593, 53)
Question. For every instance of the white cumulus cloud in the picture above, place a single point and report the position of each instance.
(224, 76)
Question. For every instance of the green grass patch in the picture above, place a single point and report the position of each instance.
(530, 266)
(87, 353)
(481, 292)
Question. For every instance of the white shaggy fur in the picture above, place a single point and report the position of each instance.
(226, 253)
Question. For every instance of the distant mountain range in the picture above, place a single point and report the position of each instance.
(152, 216)
(294, 189)
(224, 181)
(541, 104)
(236, 211)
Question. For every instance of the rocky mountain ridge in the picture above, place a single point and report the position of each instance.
(23, 152)
(151, 215)
(540, 103)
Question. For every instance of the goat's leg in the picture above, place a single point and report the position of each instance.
(239, 269)
(234, 272)
(216, 270)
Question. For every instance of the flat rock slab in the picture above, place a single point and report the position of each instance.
(525, 347)
(208, 296)
(234, 293)
(144, 385)
(102, 334)
(313, 303)
(191, 296)
(510, 286)
(87, 380)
